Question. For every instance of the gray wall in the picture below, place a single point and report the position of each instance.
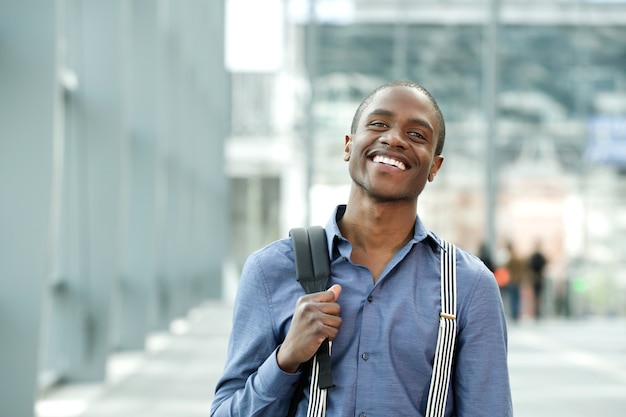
(114, 197)
(26, 131)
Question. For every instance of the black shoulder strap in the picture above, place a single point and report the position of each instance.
(311, 255)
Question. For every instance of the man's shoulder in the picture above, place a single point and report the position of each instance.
(464, 257)
(272, 269)
(470, 264)
(277, 251)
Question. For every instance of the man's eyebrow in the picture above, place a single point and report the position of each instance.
(383, 112)
(422, 123)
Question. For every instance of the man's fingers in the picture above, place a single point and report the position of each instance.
(328, 296)
(336, 290)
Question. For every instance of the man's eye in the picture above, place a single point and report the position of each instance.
(378, 124)
(416, 135)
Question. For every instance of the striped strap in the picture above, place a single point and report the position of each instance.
(317, 399)
(446, 338)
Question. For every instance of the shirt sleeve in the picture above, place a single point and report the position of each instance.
(252, 383)
(481, 380)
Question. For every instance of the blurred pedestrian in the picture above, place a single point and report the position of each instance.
(537, 264)
(517, 267)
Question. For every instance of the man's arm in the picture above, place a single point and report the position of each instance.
(481, 380)
(262, 369)
(252, 384)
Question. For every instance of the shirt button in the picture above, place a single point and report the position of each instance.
(365, 356)
(362, 415)
(370, 298)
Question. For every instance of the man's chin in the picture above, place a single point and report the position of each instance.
(387, 196)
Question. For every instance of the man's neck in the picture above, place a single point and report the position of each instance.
(385, 226)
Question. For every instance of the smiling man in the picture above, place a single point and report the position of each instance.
(382, 309)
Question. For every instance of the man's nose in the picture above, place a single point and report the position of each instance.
(394, 139)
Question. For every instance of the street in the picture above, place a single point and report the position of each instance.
(568, 367)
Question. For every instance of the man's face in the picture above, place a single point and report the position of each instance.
(391, 155)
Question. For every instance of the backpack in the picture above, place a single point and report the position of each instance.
(313, 271)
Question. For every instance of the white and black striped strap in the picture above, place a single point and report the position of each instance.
(446, 339)
(317, 395)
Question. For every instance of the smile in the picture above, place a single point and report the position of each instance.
(389, 161)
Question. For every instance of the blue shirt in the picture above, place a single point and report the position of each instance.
(382, 357)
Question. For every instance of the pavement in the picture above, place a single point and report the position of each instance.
(568, 367)
(558, 367)
(174, 377)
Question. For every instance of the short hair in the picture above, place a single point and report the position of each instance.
(404, 83)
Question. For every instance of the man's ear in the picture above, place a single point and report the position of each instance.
(347, 148)
(434, 168)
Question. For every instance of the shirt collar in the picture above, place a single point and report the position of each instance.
(333, 233)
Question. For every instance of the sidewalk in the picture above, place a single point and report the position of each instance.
(174, 377)
(570, 368)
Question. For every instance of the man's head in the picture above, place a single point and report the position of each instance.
(395, 144)
(440, 120)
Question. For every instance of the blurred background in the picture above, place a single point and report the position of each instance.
(148, 146)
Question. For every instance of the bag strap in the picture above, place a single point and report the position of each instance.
(311, 255)
(313, 271)
(446, 338)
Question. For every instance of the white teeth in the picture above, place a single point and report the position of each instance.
(388, 161)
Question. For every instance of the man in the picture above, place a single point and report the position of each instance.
(537, 264)
(517, 267)
(382, 308)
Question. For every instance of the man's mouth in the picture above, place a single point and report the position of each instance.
(390, 161)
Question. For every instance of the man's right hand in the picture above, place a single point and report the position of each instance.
(315, 318)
